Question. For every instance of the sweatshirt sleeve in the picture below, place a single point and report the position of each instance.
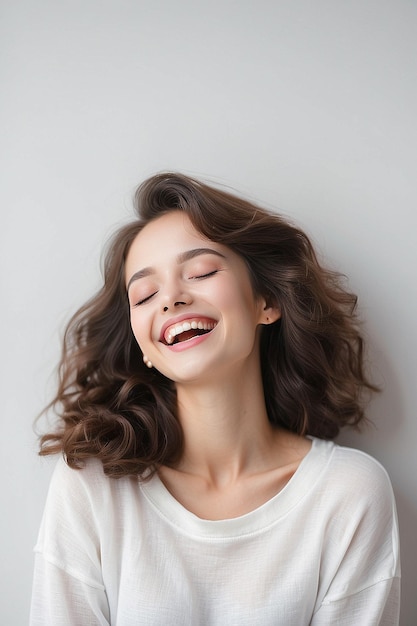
(60, 599)
(362, 560)
(67, 585)
(377, 605)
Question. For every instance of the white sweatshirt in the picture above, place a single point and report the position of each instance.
(323, 551)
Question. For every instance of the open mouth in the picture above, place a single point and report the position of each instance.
(186, 330)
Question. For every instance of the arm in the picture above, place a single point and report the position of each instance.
(68, 586)
(378, 605)
(60, 599)
(361, 567)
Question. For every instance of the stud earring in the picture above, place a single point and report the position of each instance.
(147, 362)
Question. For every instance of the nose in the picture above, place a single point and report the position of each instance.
(176, 304)
(174, 299)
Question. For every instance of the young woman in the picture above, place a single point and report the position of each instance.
(199, 393)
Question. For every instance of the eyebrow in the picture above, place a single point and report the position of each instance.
(181, 258)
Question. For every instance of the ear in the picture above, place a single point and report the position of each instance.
(269, 314)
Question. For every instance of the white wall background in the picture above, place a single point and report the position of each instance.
(307, 106)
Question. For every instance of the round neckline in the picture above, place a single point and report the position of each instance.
(257, 520)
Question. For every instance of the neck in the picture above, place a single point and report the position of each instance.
(226, 428)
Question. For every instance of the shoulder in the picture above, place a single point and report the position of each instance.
(353, 480)
(351, 464)
(83, 502)
(91, 472)
(74, 494)
(77, 484)
(360, 469)
(86, 492)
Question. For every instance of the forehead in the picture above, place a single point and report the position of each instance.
(164, 238)
(173, 229)
(165, 226)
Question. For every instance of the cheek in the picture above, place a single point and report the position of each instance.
(239, 296)
(138, 325)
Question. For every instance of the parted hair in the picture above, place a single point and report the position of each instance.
(111, 406)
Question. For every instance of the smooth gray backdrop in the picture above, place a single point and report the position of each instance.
(308, 107)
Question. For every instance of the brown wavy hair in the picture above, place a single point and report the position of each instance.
(112, 407)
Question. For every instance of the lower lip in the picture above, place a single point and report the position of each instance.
(190, 343)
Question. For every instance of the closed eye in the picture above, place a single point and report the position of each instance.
(145, 299)
(205, 275)
(199, 277)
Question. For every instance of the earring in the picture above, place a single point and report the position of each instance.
(147, 362)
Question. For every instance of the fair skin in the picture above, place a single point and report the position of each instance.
(196, 318)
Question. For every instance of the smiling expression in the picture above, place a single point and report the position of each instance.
(192, 307)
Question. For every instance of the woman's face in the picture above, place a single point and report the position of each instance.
(192, 307)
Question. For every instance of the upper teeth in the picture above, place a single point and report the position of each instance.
(173, 331)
